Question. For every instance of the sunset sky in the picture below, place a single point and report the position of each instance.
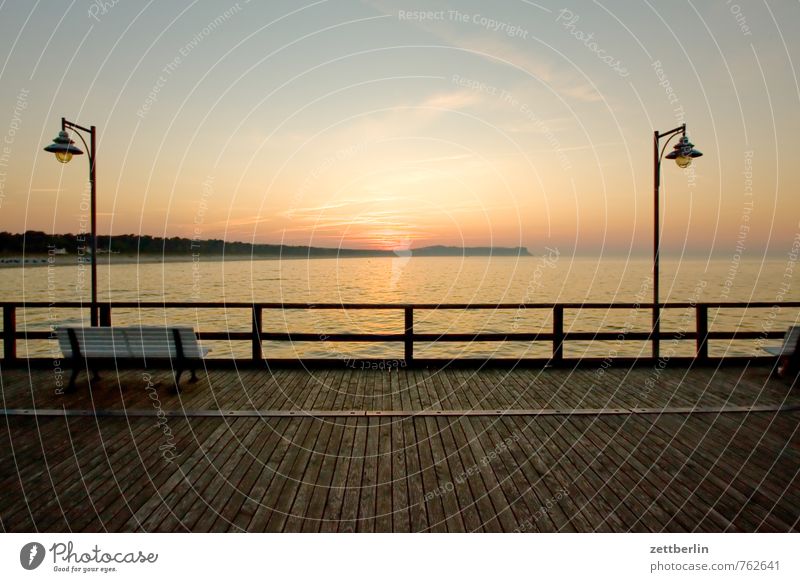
(370, 124)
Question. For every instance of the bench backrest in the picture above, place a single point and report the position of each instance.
(130, 342)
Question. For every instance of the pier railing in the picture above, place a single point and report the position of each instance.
(557, 337)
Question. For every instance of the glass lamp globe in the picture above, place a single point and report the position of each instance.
(63, 157)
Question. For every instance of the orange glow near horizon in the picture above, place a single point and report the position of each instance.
(377, 131)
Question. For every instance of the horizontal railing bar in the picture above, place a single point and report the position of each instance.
(399, 337)
(224, 335)
(334, 337)
(449, 337)
(744, 335)
(611, 335)
(388, 306)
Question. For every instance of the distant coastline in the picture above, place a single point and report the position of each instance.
(37, 242)
(36, 248)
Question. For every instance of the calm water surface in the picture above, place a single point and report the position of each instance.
(544, 278)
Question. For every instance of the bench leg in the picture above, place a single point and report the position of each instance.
(95, 375)
(72, 378)
(178, 374)
(785, 367)
(193, 378)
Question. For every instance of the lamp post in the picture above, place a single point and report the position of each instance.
(682, 153)
(64, 149)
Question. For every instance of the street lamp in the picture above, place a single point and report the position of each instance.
(682, 153)
(64, 149)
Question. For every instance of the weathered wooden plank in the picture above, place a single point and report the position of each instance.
(430, 478)
(417, 506)
(399, 489)
(652, 487)
(349, 521)
(513, 472)
(712, 492)
(367, 503)
(316, 499)
(317, 454)
(105, 482)
(241, 505)
(445, 477)
(332, 514)
(315, 507)
(295, 474)
(566, 511)
(442, 457)
(186, 484)
(247, 480)
(76, 479)
(281, 463)
(504, 518)
(144, 483)
(458, 474)
(664, 470)
(311, 436)
(736, 474)
(182, 494)
(29, 509)
(567, 437)
(759, 461)
(383, 491)
(532, 496)
(647, 517)
(667, 472)
(470, 458)
(219, 480)
(460, 491)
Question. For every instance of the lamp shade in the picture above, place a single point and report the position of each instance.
(62, 147)
(684, 152)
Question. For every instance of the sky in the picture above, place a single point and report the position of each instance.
(395, 125)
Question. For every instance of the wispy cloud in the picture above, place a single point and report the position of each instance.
(497, 49)
(453, 100)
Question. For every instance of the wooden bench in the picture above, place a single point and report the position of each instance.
(787, 353)
(91, 348)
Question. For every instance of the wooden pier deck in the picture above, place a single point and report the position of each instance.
(453, 450)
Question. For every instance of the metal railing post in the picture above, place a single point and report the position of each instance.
(558, 332)
(701, 315)
(258, 353)
(9, 333)
(105, 315)
(409, 333)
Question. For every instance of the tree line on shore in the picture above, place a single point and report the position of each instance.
(38, 242)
